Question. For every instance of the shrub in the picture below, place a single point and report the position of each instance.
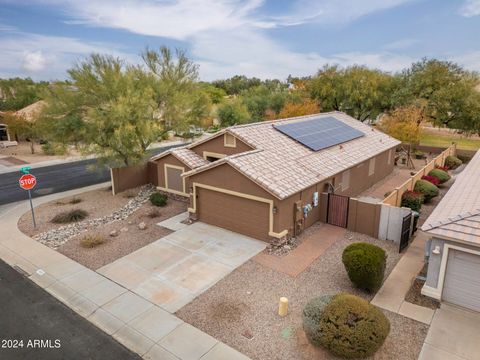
(69, 216)
(441, 175)
(412, 200)
(453, 162)
(431, 179)
(426, 188)
(352, 328)
(312, 314)
(365, 264)
(444, 168)
(153, 213)
(75, 200)
(54, 149)
(91, 241)
(158, 199)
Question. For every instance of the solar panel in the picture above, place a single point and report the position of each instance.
(319, 133)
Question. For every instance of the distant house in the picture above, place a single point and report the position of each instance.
(265, 179)
(454, 248)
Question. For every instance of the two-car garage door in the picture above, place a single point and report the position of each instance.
(462, 280)
(235, 213)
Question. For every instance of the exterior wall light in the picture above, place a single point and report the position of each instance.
(275, 210)
(436, 250)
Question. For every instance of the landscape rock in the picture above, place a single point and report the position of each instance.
(56, 237)
(142, 226)
(124, 229)
(114, 233)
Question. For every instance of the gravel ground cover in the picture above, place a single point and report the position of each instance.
(241, 309)
(97, 203)
(129, 238)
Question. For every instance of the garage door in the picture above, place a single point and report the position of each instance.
(248, 217)
(462, 280)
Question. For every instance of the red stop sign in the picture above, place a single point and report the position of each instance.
(27, 181)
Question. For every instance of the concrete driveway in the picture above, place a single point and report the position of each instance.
(454, 334)
(175, 269)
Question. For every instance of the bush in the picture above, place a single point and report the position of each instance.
(154, 213)
(91, 241)
(158, 199)
(412, 200)
(441, 175)
(431, 179)
(54, 149)
(365, 264)
(453, 162)
(426, 188)
(69, 216)
(75, 200)
(312, 314)
(352, 328)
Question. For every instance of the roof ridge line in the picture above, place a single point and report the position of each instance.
(452, 219)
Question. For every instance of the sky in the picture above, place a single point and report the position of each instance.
(41, 39)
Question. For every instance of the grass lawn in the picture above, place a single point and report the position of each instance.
(444, 140)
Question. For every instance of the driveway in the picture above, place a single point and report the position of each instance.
(172, 271)
(453, 335)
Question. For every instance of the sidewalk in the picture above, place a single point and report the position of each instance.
(135, 322)
(391, 295)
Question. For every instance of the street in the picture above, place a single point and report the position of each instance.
(34, 325)
(57, 178)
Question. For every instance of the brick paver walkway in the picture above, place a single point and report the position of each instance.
(302, 256)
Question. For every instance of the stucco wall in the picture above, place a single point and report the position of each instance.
(435, 261)
(216, 145)
(170, 160)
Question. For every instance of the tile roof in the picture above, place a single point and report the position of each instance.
(457, 215)
(282, 166)
(185, 155)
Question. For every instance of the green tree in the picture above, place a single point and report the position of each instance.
(116, 105)
(233, 113)
(18, 93)
(261, 99)
(358, 91)
(447, 89)
(216, 94)
(180, 98)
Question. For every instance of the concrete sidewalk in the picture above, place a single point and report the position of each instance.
(391, 295)
(135, 322)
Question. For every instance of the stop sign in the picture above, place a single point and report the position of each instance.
(27, 181)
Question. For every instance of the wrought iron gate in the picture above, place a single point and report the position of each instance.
(405, 235)
(337, 210)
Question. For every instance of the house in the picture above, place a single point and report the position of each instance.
(266, 179)
(454, 247)
(5, 140)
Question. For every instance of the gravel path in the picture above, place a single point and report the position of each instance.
(244, 304)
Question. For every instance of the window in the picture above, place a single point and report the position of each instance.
(345, 180)
(389, 159)
(229, 140)
(210, 156)
(371, 167)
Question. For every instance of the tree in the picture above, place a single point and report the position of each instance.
(24, 129)
(261, 99)
(404, 123)
(305, 107)
(358, 91)
(233, 113)
(17, 93)
(217, 95)
(447, 89)
(180, 98)
(116, 105)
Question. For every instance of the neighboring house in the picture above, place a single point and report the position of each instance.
(454, 248)
(257, 180)
(5, 140)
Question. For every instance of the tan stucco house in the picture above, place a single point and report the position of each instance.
(454, 246)
(258, 181)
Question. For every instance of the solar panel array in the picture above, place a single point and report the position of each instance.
(319, 133)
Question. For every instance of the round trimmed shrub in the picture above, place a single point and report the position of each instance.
(74, 215)
(426, 188)
(312, 314)
(441, 175)
(452, 162)
(412, 200)
(431, 179)
(352, 328)
(158, 199)
(365, 264)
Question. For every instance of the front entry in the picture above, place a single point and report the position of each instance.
(337, 210)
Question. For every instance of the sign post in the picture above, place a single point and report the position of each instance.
(27, 182)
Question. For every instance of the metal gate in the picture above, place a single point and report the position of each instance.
(337, 210)
(405, 235)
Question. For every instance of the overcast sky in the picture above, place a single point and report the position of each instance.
(262, 38)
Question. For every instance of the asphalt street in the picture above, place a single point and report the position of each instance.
(56, 178)
(35, 325)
